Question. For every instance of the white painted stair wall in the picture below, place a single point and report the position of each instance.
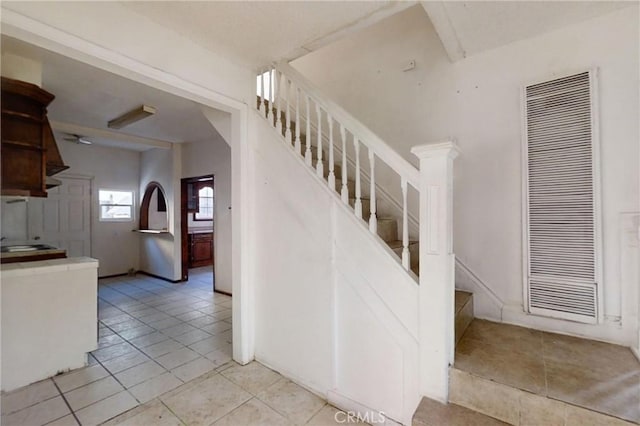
(334, 309)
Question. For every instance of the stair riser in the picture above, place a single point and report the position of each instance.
(518, 407)
(388, 230)
(463, 318)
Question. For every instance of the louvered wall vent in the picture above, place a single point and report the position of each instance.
(560, 206)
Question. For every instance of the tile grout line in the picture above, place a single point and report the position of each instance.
(73, 413)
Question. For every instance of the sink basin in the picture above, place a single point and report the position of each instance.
(22, 248)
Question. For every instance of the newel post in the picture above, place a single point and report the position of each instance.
(437, 262)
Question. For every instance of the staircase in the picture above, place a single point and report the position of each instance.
(478, 392)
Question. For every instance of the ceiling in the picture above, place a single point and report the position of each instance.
(475, 26)
(87, 97)
(256, 33)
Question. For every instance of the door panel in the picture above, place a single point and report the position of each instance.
(63, 218)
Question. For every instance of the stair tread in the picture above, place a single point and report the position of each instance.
(434, 413)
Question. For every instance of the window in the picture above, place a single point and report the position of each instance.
(115, 206)
(205, 203)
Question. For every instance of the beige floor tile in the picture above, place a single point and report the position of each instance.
(133, 333)
(67, 420)
(207, 401)
(27, 396)
(253, 413)
(39, 414)
(203, 320)
(485, 396)
(76, 378)
(177, 358)
(129, 360)
(139, 373)
(151, 318)
(148, 339)
(127, 325)
(179, 329)
(193, 369)
(208, 345)
(107, 408)
(109, 340)
(329, 416)
(508, 337)
(159, 349)
(114, 351)
(165, 323)
(192, 337)
(152, 414)
(513, 368)
(614, 395)
(252, 377)
(155, 387)
(93, 392)
(433, 413)
(218, 357)
(217, 327)
(295, 402)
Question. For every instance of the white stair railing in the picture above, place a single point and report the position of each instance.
(433, 183)
(289, 85)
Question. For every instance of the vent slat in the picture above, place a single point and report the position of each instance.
(560, 208)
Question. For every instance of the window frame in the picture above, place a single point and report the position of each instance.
(199, 186)
(131, 206)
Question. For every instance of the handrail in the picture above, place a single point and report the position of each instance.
(362, 132)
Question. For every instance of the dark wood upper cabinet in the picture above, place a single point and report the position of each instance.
(28, 149)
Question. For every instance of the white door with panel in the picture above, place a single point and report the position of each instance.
(63, 219)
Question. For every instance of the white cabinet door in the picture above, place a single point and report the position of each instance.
(63, 219)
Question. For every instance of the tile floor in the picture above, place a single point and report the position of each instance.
(594, 375)
(164, 358)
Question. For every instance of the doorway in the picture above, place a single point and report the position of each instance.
(197, 228)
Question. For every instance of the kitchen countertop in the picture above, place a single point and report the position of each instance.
(52, 250)
(40, 267)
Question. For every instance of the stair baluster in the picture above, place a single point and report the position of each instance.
(271, 92)
(307, 153)
(358, 203)
(319, 165)
(344, 192)
(278, 100)
(331, 179)
(373, 220)
(297, 144)
(262, 107)
(287, 99)
(406, 256)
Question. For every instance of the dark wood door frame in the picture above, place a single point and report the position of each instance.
(184, 224)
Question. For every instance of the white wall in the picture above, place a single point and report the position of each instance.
(334, 310)
(160, 254)
(157, 219)
(112, 243)
(214, 157)
(137, 36)
(477, 101)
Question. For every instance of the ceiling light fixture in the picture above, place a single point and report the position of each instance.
(142, 112)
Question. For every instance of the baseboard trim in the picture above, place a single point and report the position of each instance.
(124, 274)
(159, 277)
(515, 315)
(222, 292)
